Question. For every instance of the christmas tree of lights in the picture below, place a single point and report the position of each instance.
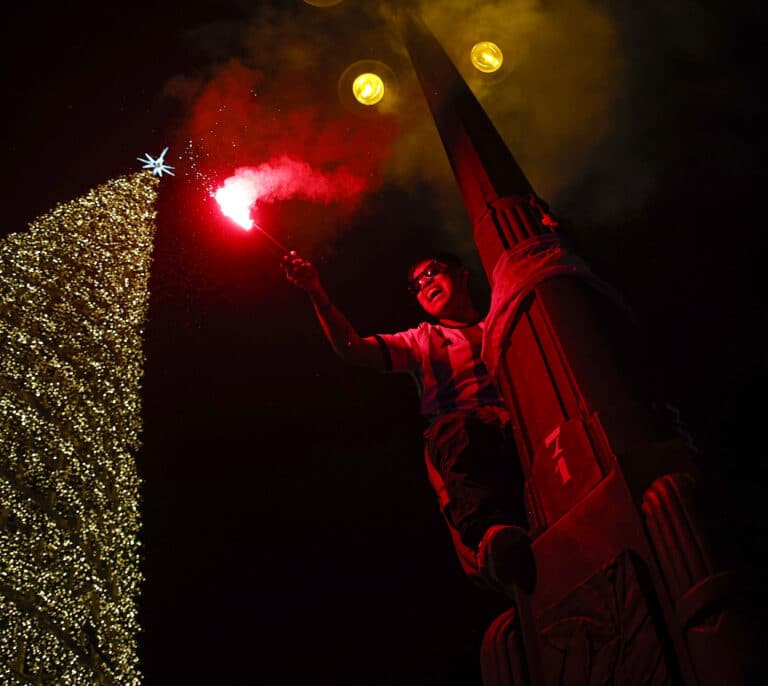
(73, 301)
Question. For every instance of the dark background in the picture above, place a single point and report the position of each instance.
(288, 529)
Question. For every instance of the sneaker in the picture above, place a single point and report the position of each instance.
(505, 558)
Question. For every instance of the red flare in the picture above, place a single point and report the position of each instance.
(235, 198)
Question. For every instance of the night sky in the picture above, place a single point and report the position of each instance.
(289, 532)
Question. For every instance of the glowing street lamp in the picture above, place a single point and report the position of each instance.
(486, 56)
(368, 88)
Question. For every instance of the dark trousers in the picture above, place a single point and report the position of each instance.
(475, 455)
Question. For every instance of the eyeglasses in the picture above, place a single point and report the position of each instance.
(431, 270)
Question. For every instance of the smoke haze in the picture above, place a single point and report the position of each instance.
(584, 97)
(552, 102)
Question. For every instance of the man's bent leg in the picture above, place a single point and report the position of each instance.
(477, 460)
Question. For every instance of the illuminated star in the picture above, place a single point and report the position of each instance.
(158, 166)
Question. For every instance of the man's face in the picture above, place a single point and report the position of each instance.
(436, 285)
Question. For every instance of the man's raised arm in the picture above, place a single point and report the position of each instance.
(344, 340)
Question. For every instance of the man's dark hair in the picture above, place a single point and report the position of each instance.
(443, 256)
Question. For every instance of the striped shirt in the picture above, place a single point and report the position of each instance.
(446, 364)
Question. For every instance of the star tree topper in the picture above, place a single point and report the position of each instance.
(158, 166)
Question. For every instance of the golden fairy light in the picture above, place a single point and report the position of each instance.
(368, 88)
(486, 57)
(73, 302)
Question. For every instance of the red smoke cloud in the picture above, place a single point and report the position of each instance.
(287, 141)
(282, 179)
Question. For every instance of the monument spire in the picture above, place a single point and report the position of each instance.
(499, 199)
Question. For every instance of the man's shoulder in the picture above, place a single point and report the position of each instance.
(421, 329)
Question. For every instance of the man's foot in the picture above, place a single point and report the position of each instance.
(505, 558)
